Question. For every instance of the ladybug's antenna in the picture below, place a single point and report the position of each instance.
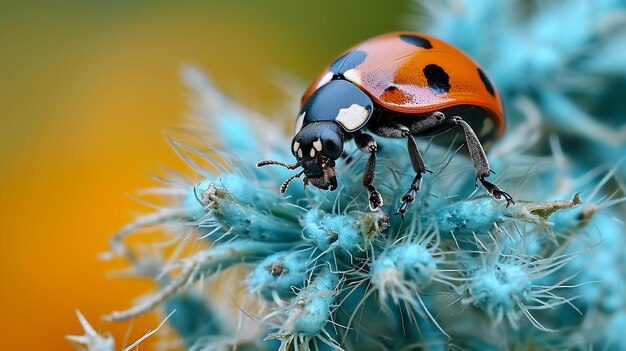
(270, 162)
(283, 187)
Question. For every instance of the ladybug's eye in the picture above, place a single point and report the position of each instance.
(333, 147)
(332, 141)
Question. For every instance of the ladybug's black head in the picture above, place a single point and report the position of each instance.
(316, 147)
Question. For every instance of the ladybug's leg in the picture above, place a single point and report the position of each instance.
(418, 166)
(396, 130)
(366, 143)
(481, 164)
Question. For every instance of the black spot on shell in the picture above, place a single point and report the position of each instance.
(347, 62)
(336, 65)
(486, 82)
(417, 41)
(438, 79)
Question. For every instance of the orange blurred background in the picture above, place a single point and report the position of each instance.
(86, 90)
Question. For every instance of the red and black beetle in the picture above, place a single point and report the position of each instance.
(397, 85)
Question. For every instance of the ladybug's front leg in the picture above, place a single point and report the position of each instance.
(481, 164)
(366, 143)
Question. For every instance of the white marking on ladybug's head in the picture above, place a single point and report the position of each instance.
(325, 79)
(487, 127)
(353, 117)
(299, 122)
(317, 144)
(354, 76)
(312, 152)
(300, 153)
(296, 146)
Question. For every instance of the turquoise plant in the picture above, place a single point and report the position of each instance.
(315, 269)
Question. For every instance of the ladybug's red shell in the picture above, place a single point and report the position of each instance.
(414, 73)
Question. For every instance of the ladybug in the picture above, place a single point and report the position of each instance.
(397, 85)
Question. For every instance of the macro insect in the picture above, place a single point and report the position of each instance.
(397, 85)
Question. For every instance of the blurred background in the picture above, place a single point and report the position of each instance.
(87, 89)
